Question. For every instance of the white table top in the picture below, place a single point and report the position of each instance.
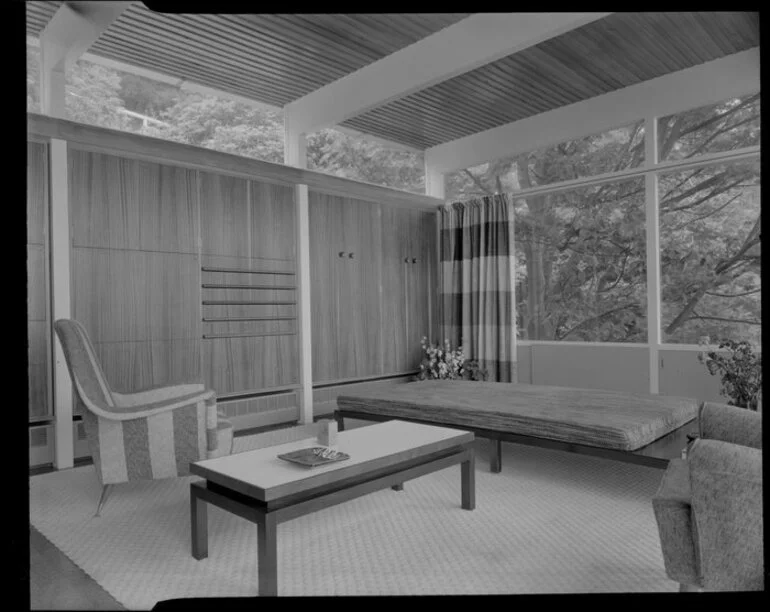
(262, 474)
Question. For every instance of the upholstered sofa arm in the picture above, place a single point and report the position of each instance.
(726, 498)
(158, 393)
(730, 424)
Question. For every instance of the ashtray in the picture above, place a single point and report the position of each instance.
(316, 455)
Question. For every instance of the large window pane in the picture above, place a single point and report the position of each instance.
(729, 125)
(581, 264)
(710, 254)
(609, 151)
(361, 159)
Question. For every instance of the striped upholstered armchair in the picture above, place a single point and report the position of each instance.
(154, 433)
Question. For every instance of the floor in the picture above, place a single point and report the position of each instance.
(56, 583)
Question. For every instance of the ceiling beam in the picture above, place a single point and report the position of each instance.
(463, 46)
(708, 83)
(74, 28)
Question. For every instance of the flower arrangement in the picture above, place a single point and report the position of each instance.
(443, 362)
(740, 368)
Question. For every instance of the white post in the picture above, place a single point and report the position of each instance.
(60, 300)
(52, 80)
(295, 154)
(653, 250)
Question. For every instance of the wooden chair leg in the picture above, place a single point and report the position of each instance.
(102, 498)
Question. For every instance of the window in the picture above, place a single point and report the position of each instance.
(339, 153)
(710, 253)
(732, 124)
(610, 151)
(581, 264)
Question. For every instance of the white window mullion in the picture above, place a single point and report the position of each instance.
(653, 249)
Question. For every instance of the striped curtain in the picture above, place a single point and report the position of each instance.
(476, 276)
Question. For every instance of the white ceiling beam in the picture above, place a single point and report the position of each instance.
(74, 28)
(463, 46)
(708, 83)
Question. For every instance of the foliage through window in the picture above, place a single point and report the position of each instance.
(581, 271)
(710, 253)
(610, 151)
(726, 126)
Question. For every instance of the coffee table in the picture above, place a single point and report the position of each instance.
(260, 487)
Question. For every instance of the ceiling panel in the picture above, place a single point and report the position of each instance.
(617, 51)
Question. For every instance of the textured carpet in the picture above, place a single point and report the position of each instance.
(551, 522)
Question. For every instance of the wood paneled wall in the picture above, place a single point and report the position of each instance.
(38, 324)
(135, 267)
(184, 266)
(369, 311)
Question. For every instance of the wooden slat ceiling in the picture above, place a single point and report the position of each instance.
(276, 59)
(620, 50)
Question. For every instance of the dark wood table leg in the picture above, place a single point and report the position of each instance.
(199, 525)
(340, 422)
(398, 487)
(496, 456)
(468, 481)
(267, 555)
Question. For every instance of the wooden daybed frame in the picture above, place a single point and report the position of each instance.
(656, 454)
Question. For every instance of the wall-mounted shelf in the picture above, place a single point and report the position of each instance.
(252, 335)
(243, 271)
(245, 319)
(257, 287)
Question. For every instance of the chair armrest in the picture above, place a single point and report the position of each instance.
(730, 424)
(156, 394)
(726, 498)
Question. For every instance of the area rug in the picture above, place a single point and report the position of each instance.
(550, 522)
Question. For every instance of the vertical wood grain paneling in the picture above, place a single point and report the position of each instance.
(395, 249)
(272, 221)
(38, 328)
(326, 242)
(123, 203)
(37, 192)
(240, 365)
(129, 296)
(130, 366)
(358, 333)
(224, 206)
(422, 231)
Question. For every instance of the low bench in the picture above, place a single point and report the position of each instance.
(636, 428)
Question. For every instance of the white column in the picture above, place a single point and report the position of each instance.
(60, 300)
(295, 154)
(52, 80)
(434, 180)
(653, 250)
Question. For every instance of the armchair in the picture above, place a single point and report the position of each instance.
(709, 505)
(154, 433)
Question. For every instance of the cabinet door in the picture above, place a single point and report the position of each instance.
(325, 216)
(420, 274)
(359, 312)
(395, 251)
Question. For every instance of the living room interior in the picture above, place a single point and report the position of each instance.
(524, 243)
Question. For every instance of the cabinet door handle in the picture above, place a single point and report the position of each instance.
(414, 260)
(406, 260)
(350, 255)
(342, 253)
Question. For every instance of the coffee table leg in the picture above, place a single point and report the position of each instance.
(267, 556)
(468, 481)
(398, 487)
(496, 456)
(199, 525)
(340, 422)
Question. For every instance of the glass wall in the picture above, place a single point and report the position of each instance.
(581, 272)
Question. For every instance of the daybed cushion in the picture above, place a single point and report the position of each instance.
(606, 419)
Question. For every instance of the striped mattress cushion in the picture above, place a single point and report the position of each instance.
(594, 417)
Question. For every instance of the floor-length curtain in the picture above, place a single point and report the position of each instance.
(476, 276)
